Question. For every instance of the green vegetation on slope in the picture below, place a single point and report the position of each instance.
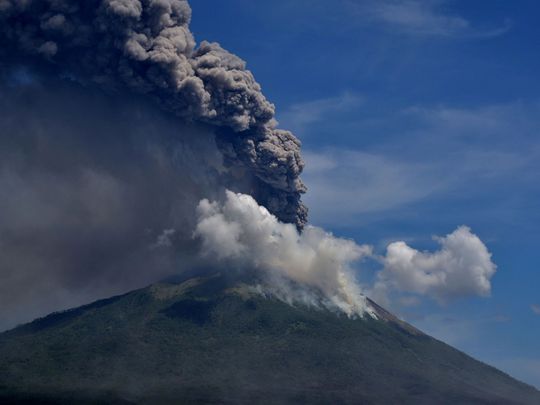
(210, 340)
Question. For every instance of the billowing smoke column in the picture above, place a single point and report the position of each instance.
(249, 236)
(146, 46)
(113, 126)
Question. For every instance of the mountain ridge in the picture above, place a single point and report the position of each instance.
(211, 340)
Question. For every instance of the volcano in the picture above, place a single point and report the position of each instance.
(216, 339)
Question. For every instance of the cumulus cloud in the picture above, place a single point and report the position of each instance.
(241, 231)
(462, 267)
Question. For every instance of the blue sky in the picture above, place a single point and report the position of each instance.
(416, 117)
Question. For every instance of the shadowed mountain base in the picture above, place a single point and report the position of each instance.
(210, 340)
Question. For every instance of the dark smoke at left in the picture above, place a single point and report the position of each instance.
(113, 126)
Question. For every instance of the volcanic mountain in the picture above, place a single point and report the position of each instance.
(215, 339)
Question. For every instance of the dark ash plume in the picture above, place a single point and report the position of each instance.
(145, 46)
(97, 194)
(113, 126)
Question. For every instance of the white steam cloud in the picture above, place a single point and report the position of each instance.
(247, 234)
(462, 267)
(244, 234)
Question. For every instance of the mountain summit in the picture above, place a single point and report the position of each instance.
(216, 340)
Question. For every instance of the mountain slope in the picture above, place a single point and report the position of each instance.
(211, 340)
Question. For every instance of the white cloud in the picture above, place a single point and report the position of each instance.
(462, 267)
(426, 18)
(426, 153)
(420, 17)
(536, 309)
(241, 231)
(344, 184)
(496, 142)
(495, 120)
(299, 116)
(315, 267)
(164, 240)
(409, 301)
